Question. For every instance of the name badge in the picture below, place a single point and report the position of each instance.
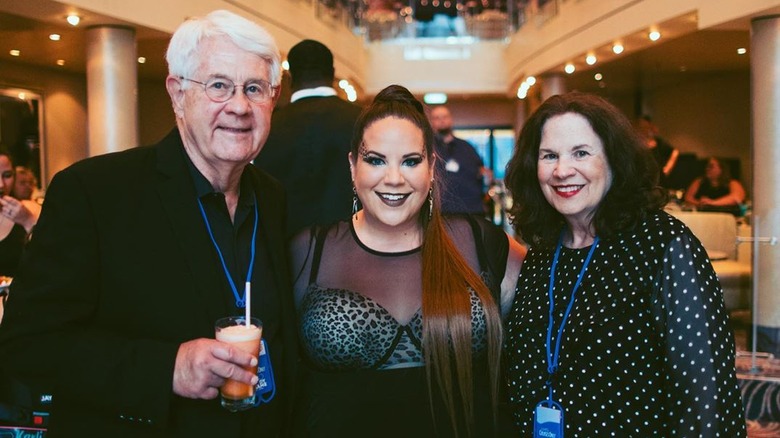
(266, 387)
(548, 422)
(452, 166)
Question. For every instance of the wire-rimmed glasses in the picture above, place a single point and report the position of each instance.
(222, 89)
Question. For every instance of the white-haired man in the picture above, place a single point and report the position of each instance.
(138, 253)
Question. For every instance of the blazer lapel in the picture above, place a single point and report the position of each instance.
(177, 193)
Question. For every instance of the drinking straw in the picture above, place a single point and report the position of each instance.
(248, 290)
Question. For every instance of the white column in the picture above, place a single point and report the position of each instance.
(552, 85)
(112, 89)
(765, 98)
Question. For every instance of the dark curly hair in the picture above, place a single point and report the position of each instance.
(634, 191)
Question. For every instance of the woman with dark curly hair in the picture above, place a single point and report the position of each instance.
(618, 326)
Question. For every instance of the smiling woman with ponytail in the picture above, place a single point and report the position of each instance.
(400, 308)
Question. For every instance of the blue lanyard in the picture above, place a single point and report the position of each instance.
(240, 300)
(552, 357)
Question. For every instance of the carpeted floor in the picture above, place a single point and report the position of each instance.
(759, 380)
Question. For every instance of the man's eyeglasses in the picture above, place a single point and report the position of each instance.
(221, 89)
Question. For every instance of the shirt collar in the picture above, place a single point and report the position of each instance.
(313, 92)
(203, 186)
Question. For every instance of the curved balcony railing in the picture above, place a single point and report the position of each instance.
(379, 20)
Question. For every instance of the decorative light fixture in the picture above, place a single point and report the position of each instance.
(654, 35)
(569, 68)
(435, 98)
(617, 48)
(15, 52)
(741, 51)
(142, 60)
(54, 37)
(590, 59)
(73, 19)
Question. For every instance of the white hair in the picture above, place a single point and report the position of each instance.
(182, 56)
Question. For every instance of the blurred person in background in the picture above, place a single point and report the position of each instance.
(26, 185)
(716, 190)
(17, 219)
(665, 154)
(309, 141)
(459, 168)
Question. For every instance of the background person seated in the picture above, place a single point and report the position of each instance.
(716, 190)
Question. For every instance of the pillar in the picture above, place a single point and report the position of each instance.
(765, 101)
(112, 89)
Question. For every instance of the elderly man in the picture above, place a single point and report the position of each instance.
(138, 253)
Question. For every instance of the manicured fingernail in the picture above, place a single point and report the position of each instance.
(253, 362)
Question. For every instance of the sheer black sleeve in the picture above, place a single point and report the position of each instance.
(704, 399)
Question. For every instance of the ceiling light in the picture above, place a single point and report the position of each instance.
(60, 62)
(654, 35)
(343, 84)
(530, 80)
(590, 59)
(286, 65)
(598, 76)
(15, 52)
(435, 98)
(569, 68)
(617, 49)
(73, 19)
(741, 51)
(22, 96)
(54, 37)
(142, 60)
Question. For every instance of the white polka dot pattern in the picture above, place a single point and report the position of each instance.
(647, 350)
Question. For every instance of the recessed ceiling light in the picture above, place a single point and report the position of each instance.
(141, 60)
(54, 37)
(15, 52)
(569, 68)
(741, 51)
(530, 80)
(617, 48)
(73, 19)
(654, 35)
(286, 64)
(598, 76)
(60, 62)
(590, 59)
(343, 84)
(435, 98)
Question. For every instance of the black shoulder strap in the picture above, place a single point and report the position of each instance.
(494, 281)
(319, 243)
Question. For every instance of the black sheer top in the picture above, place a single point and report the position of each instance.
(361, 309)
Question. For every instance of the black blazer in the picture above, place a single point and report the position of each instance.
(307, 151)
(119, 273)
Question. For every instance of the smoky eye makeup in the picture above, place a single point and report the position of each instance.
(7, 174)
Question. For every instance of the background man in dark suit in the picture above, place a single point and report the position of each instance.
(128, 268)
(309, 141)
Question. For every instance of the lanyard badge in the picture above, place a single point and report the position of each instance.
(266, 386)
(548, 414)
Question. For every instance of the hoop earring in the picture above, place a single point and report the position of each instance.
(354, 202)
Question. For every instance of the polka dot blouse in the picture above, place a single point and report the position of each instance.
(647, 350)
